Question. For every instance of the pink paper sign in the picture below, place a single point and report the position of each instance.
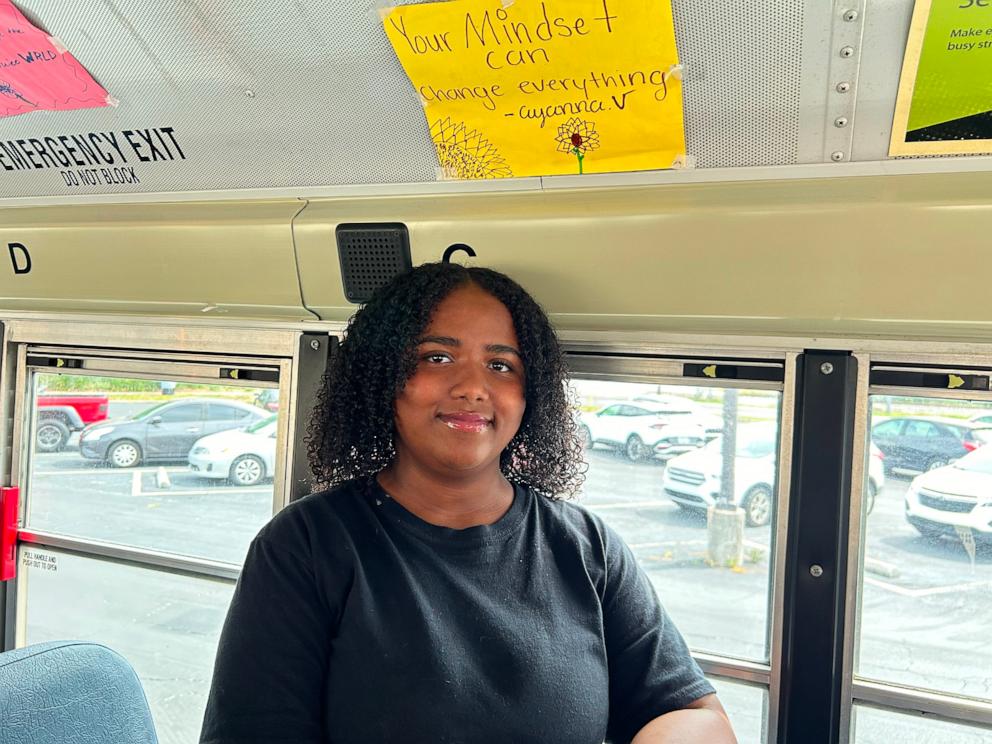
(37, 73)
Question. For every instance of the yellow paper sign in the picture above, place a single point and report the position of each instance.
(544, 87)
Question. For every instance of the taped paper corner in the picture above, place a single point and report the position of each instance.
(684, 162)
(56, 42)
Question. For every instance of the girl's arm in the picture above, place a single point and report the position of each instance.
(701, 722)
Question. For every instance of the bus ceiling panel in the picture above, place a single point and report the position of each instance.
(854, 257)
(206, 260)
(309, 97)
(880, 52)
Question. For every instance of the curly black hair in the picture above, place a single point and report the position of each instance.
(350, 434)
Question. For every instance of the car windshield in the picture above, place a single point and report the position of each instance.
(149, 411)
(256, 428)
(979, 461)
(750, 444)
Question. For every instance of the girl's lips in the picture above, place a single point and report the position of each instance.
(465, 421)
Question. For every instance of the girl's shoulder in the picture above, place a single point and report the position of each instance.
(572, 520)
(322, 513)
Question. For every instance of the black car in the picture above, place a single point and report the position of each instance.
(164, 432)
(924, 443)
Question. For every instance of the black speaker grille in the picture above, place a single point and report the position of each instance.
(371, 254)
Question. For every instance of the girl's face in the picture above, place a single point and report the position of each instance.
(465, 401)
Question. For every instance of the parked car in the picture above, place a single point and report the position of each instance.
(243, 456)
(957, 495)
(921, 443)
(981, 419)
(642, 429)
(876, 475)
(677, 406)
(693, 480)
(166, 431)
(268, 398)
(61, 414)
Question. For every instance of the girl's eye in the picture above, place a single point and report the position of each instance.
(436, 357)
(500, 366)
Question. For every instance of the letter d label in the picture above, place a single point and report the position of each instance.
(22, 260)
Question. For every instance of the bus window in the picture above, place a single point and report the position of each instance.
(875, 726)
(141, 495)
(926, 565)
(747, 706)
(117, 460)
(166, 625)
(656, 466)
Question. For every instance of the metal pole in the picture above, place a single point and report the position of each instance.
(729, 447)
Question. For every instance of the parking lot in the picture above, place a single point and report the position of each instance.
(923, 621)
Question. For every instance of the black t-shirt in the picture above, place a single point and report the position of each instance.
(356, 621)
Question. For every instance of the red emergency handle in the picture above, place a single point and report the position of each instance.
(9, 498)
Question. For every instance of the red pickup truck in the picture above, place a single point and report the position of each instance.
(60, 415)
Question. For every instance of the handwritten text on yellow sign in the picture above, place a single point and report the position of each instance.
(537, 88)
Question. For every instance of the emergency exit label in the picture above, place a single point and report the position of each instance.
(41, 561)
(94, 158)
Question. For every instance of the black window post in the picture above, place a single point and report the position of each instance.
(816, 552)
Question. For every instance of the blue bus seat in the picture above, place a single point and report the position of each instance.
(71, 692)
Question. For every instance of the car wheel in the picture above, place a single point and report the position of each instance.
(247, 470)
(758, 506)
(635, 449)
(870, 493)
(124, 454)
(586, 436)
(937, 462)
(51, 436)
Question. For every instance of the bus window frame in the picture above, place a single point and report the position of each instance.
(665, 365)
(856, 691)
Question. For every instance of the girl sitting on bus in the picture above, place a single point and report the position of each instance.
(441, 589)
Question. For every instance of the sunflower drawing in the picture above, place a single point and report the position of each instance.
(577, 137)
(465, 153)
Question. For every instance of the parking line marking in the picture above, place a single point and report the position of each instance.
(929, 592)
(106, 471)
(136, 483)
(626, 505)
(167, 492)
(666, 543)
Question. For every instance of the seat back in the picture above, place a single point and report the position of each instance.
(70, 692)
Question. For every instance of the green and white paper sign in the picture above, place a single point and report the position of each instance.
(944, 104)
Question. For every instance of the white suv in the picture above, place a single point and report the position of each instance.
(956, 495)
(645, 428)
(693, 480)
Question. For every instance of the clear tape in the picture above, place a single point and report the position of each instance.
(684, 162)
(378, 13)
(56, 42)
(111, 101)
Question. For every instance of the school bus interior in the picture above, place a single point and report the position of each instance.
(171, 287)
